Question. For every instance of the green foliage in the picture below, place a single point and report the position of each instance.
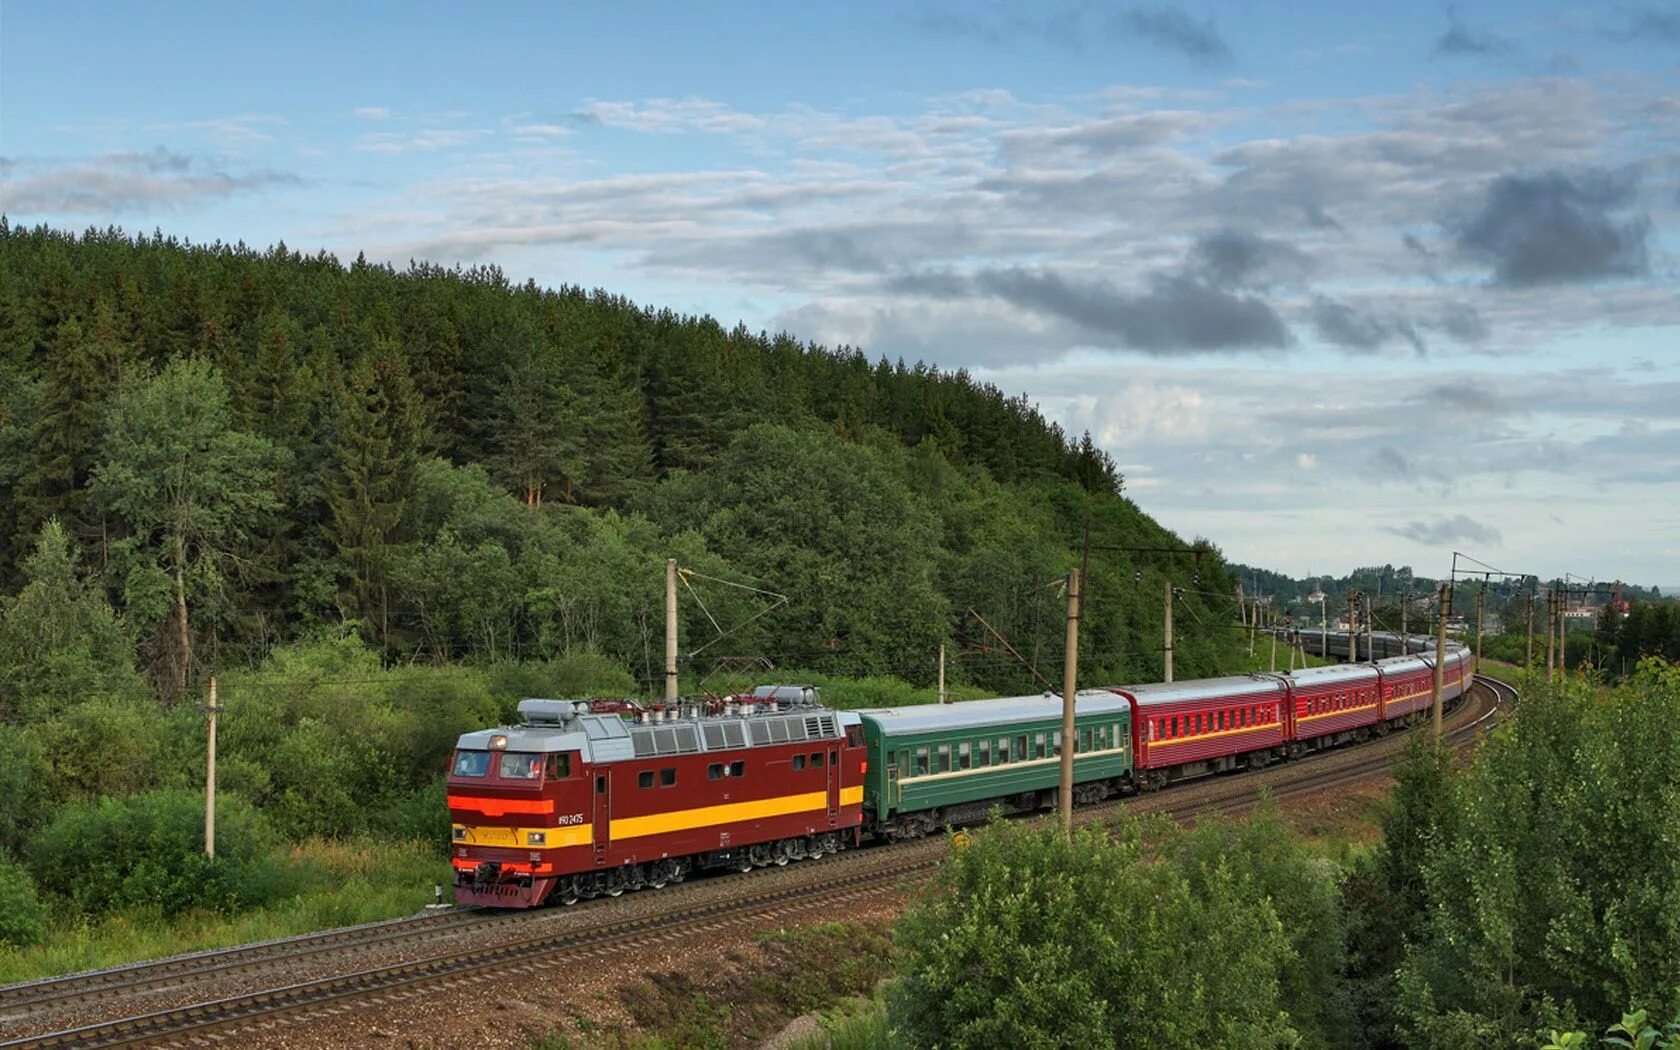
(1027, 939)
(147, 851)
(1304, 893)
(60, 643)
(579, 440)
(325, 741)
(1385, 891)
(23, 918)
(190, 489)
(1634, 1031)
(1553, 887)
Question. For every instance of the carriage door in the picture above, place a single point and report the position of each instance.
(895, 793)
(603, 817)
(833, 769)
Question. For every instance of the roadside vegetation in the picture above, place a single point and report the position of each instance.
(1528, 898)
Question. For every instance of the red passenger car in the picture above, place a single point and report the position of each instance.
(1187, 729)
(1332, 705)
(574, 804)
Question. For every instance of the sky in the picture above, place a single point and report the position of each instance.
(1335, 284)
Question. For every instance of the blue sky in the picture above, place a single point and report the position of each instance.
(1346, 285)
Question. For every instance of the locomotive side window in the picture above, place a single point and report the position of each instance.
(644, 779)
(737, 769)
(816, 760)
(668, 777)
(518, 765)
(714, 771)
(854, 736)
(798, 762)
(559, 766)
(471, 763)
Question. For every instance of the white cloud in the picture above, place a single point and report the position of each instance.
(372, 112)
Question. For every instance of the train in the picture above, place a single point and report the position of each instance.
(584, 799)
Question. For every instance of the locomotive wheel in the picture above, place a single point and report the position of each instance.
(657, 874)
(615, 883)
(781, 854)
(567, 891)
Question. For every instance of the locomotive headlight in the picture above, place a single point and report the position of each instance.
(498, 742)
(536, 838)
(460, 834)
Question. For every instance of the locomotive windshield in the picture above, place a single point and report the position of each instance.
(519, 765)
(471, 763)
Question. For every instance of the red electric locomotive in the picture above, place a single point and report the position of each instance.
(573, 803)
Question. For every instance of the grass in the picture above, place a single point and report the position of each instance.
(328, 884)
(856, 1024)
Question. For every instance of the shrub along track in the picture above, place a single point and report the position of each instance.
(528, 941)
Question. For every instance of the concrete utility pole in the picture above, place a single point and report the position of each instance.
(1352, 631)
(1166, 647)
(1441, 650)
(1070, 679)
(670, 629)
(942, 674)
(1405, 605)
(1481, 592)
(1370, 631)
(1551, 613)
(1528, 661)
(1274, 652)
(210, 778)
(1562, 641)
(1323, 628)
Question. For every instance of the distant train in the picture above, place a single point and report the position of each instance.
(585, 799)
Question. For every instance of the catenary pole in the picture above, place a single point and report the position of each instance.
(942, 674)
(1528, 660)
(210, 777)
(1070, 678)
(1167, 644)
(1441, 650)
(670, 629)
(1481, 593)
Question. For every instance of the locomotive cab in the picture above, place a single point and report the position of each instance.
(516, 797)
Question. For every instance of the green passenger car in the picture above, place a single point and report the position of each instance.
(951, 763)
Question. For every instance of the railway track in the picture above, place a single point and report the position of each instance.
(858, 874)
(54, 992)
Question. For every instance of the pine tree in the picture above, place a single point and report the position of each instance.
(539, 439)
(371, 480)
(78, 380)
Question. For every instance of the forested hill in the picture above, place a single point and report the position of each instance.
(244, 448)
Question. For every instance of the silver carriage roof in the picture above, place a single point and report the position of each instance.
(1202, 688)
(565, 725)
(979, 714)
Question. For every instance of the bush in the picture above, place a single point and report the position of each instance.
(1026, 939)
(148, 851)
(1552, 889)
(22, 916)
